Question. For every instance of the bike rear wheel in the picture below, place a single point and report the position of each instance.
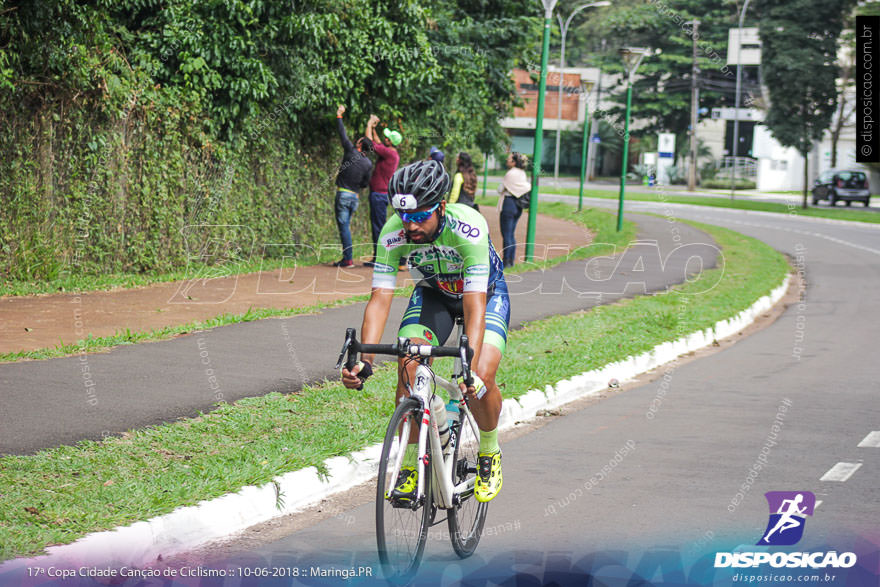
(401, 527)
(467, 518)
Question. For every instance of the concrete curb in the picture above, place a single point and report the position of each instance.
(189, 527)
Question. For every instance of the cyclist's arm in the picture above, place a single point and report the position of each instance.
(474, 249)
(474, 303)
(375, 317)
(388, 253)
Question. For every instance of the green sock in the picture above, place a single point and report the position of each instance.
(489, 442)
(411, 456)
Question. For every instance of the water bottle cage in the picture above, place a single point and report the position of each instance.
(453, 435)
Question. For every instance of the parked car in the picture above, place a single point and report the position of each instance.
(845, 185)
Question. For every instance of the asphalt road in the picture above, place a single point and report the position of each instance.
(61, 401)
(687, 457)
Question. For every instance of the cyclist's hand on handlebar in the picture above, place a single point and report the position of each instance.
(355, 378)
(477, 390)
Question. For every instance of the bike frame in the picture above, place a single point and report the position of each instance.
(446, 493)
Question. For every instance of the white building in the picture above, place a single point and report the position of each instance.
(782, 168)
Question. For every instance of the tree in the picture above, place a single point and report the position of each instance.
(661, 93)
(139, 115)
(476, 44)
(799, 41)
(846, 106)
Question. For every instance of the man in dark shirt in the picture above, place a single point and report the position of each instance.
(354, 175)
(386, 165)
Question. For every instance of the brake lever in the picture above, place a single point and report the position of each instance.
(350, 338)
(465, 354)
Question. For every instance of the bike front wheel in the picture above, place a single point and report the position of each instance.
(401, 524)
(467, 518)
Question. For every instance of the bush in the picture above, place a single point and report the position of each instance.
(142, 195)
(135, 131)
(741, 184)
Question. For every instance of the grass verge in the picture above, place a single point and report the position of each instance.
(71, 283)
(599, 222)
(718, 201)
(58, 495)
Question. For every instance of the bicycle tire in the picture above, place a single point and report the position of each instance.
(467, 518)
(401, 532)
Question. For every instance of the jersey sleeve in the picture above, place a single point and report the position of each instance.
(389, 251)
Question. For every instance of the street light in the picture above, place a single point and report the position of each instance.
(586, 90)
(739, 32)
(549, 5)
(632, 58)
(563, 27)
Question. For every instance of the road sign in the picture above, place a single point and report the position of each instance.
(745, 114)
(666, 144)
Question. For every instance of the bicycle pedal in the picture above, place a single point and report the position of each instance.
(399, 499)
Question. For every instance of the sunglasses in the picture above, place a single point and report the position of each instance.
(418, 217)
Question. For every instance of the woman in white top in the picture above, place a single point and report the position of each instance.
(514, 189)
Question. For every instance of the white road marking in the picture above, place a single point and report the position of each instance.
(872, 440)
(840, 472)
(818, 503)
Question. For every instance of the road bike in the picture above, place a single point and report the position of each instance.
(447, 446)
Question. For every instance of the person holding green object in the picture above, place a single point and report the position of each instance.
(386, 165)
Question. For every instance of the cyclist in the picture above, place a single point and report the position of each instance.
(457, 273)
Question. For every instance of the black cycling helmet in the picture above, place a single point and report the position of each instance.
(423, 183)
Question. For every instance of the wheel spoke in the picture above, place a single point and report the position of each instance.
(401, 528)
(466, 519)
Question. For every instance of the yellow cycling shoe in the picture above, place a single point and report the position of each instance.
(488, 482)
(407, 481)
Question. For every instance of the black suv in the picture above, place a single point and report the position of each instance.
(842, 184)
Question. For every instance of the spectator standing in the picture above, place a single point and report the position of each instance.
(464, 183)
(353, 176)
(437, 155)
(386, 165)
(515, 190)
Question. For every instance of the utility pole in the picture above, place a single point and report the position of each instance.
(739, 32)
(591, 153)
(695, 106)
(539, 131)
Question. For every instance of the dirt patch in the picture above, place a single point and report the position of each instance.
(35, 322)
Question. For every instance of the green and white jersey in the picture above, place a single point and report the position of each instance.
(461, 258)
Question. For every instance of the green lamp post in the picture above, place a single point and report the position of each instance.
(632, 58)
(586, 92)
(539, 131)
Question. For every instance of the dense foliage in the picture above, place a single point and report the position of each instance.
(799, 50)
(662, 90)
(127, 121)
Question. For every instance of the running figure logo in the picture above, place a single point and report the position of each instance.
(788, 512)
